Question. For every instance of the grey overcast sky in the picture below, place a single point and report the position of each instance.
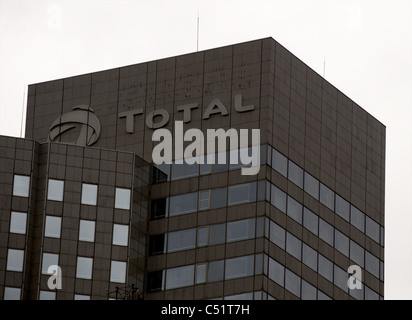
(367, 46)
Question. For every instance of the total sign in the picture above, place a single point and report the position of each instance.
(163, 152)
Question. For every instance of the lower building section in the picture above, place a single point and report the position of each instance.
(87, 223)
(74, 220)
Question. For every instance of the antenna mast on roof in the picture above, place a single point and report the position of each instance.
(197, 38)
(324, 65)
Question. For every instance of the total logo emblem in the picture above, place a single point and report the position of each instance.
(81, 115)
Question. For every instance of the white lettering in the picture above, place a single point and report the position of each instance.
(165, 146)
(194, 151)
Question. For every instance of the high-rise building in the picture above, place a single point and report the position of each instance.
(80, 195)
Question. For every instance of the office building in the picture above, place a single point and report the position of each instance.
(81, 192)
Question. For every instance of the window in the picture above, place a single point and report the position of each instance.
(269, 156)
(278, 198)
(53, 227)
(311, 186)
(242, 296)
(327, 197)
(242, 193)
(21, 186)
(261, 190)
(86, 230)
(341, 243)
(118, 271)
(372, 264)
(267, 191)
(11, 293)
(292, 283)
(120, 234)
(184, 170)
(308, 291)
(18, 222)
(310, 257)
(370, 294)
(325, 268)
(155, 281)
(55, 190)
(310, 221)
(206, 167)
(89, 194)
(358, 294)
(156, 244)
(357, 253)
(372, 229)
(221, 163)
(276, 272)
(161, 172)
(204, 197)
(240, 230)
(181, 240)
(15, 260)
(201, 273)
(295, 174)
(217, 234)
(294, 210)
(326, 231)
(341, 278)
(179, 277)
(49, 259)
(202, 236)
(277, 235)
(239, 267)
(357, 218)
(215, 272)
(238, 154)
(47, 295)
(258, 263)
(322, 296)
(122, 199)
(84, 268)
(218, 198)
(293, 246)
(279, 163)
(81, 297)
(259, 227)
(159, 208)
(342, 208)
(183, 203)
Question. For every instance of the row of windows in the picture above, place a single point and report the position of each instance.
(11, 293)
(245, 266)
(189, 275)
(15, 260)
(315, 260)
(324, 230)
(207, 199)
(304, 290)
(55, 192)
(52, 228)
(84, 267)
(209, 235)
(295, 174)
(326, 196)
(223, 161)
(309, 256)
